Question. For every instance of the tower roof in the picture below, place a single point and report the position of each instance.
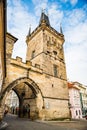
(44, 18)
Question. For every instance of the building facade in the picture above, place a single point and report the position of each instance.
(41, 82)
(83, 97)
(74, 100)
(2, 45)
(12, 102)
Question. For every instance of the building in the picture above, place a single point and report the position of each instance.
(74, 101)
(2, 45)
(41, 82)
(2, 40)
(83, 97)
(12, 102)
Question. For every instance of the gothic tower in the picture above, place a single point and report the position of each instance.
(45, 51)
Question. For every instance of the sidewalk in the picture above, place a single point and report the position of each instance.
(59, 121)
(3, 125)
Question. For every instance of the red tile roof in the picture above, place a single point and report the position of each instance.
(72, 85)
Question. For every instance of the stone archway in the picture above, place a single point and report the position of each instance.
(37, 98)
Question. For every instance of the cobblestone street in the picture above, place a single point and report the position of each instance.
(25, 124)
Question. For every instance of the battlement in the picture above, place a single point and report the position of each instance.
(25, 65)
(18, 61)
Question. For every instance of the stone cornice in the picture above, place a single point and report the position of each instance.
(56, 98)
(11, 37)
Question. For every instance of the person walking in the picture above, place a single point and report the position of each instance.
(28, 110)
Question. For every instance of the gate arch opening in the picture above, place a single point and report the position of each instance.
(11, 103)
(28, 93)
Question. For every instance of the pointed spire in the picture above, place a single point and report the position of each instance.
(29, 31)
(61, 31)
(44, 18)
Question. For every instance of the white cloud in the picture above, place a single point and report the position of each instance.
(77, 34)
(55, 16)
(73, 2)
(76, 45)
(20, 20)
(76, 64)
(36, 2)
(39, 6)
(75, 16)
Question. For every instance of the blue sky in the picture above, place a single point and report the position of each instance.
(72, 14)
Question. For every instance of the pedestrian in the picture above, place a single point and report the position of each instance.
(24, 110)
(28, 110)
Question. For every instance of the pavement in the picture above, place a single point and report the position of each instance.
(26, 124)
(80, 124)
(3, 125)
(59, 121)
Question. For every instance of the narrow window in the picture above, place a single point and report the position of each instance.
(33, 54)
(55, 68)
(37, 65)
(76, 112)
(79, 112)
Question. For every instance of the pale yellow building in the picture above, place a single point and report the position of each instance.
(2, 45)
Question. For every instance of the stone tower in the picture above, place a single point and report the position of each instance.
(45, 52)
(41, 82)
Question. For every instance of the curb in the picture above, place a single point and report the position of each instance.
(66, 121)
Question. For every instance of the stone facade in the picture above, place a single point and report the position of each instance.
(41, 82)
(2, 46)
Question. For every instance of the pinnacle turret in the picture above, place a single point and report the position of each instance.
(29, 33)
(61, 31)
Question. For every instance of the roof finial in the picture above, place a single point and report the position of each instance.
(29, 30)
(61, 31)
(43, 10)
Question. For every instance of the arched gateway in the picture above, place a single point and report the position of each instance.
(28, 93)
